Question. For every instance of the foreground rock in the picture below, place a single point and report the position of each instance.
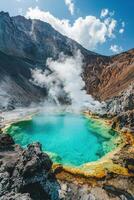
(25, 174)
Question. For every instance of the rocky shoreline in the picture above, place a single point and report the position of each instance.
(23, 169)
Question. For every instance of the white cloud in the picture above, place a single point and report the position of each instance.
(122, 29)
(70, 6)
(123, 24)
(104, 12)
(89, 31)
(116, 49)
(111, 24)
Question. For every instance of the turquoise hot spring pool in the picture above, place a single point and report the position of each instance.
(69, 139)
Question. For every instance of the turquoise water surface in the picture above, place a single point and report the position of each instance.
(70, 139)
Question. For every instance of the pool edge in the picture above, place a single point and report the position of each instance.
(97, 169)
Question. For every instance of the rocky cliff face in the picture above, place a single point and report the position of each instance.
(117, 76)
(107, 77)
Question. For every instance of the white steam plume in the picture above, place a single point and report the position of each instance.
(66, 81)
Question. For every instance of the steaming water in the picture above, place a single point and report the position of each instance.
(70, 139)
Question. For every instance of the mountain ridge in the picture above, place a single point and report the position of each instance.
(33, 32)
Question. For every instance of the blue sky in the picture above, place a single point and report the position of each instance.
(119, 12)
